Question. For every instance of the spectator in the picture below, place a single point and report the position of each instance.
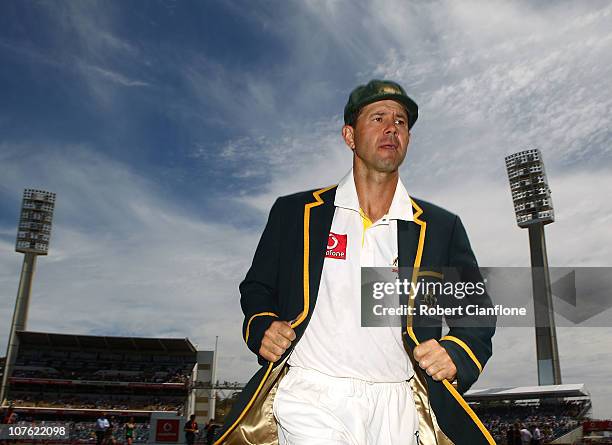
(129, 431)
(191, 429)
(536, 435)
(110, 432)
(525, 436)
(515, 435)
(211, 429)
(10, 416)
(102, 424)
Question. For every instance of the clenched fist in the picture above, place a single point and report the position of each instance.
(276, 340)
(436, 362)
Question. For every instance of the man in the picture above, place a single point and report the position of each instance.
(536, 438)
(526, 436)
(191, 429)
(10, 417)
(211, 429)
(102, 425)
(325, 379)
(129, 428)
(515, 437)
(109, 434)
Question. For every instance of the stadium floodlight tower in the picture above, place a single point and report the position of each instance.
(534, 209)
(32, 240)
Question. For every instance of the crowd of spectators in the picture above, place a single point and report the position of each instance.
(551, 420)
(98, 401)
(94, 365)
(110, 373)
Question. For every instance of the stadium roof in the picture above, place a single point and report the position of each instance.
(527, 392)
(165, 345)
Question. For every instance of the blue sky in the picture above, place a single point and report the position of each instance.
(168, 128)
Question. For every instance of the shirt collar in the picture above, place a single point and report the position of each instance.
(346, 197)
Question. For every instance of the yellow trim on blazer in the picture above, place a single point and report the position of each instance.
(417, 264)
(246, 334)
(465, 347)
(431, 273)
(307, 208)
(469, 410)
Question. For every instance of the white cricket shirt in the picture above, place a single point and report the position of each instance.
(334, 341)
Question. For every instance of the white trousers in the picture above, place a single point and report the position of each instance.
(312, 408)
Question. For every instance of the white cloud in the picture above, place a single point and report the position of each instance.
(115, 77)
(123, 261)
(506, 76)
(105, 61)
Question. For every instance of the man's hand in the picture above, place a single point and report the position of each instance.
(276, 340)
(436, 362)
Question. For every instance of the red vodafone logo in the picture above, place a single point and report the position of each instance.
(336, 246)
(167, 430)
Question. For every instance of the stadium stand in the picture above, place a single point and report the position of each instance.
(77, 357)
(73, 378)
(554, 409)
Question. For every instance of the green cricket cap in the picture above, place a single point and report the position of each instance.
(374, 91)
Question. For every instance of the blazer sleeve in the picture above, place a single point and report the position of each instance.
(468, 342)
(259, 289)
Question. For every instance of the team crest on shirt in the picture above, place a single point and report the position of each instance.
(336, 246)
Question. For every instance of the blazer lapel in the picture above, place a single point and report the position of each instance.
(407, 244)
(318, 215)
(410, 245)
